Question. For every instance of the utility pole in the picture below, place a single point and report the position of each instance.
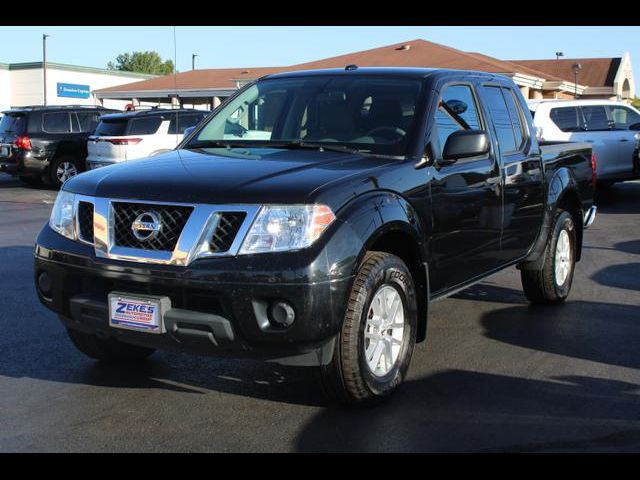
(576, 69)
(44, 65)
(193, 61)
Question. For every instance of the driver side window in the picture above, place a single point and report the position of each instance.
(460, 100)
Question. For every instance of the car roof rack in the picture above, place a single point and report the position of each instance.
(59, 107)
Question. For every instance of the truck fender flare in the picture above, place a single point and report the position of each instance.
(559, 185)
(374, 215)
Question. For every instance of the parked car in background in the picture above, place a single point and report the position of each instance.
(138, 134)
(310, 221)
(47, 144)
(611, 127)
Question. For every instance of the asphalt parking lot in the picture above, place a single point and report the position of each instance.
(494, 375)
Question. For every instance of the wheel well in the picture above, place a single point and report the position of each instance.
(571, 203)
(402, 245)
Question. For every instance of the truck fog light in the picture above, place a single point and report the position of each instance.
(45, 285)
(281, 314)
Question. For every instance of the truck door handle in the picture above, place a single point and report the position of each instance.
(624, 139)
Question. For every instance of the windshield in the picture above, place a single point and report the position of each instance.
(368, 114)
(12, 123)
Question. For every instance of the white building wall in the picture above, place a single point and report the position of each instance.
(24, 86)
(5, 88)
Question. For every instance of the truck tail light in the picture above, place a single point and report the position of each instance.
(123, 141)
(23, 142)
(594, 175)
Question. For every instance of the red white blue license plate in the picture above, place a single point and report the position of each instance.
(142, 313)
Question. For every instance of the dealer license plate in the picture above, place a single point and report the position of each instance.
(137, 312)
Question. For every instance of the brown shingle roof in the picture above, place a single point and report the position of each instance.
(596, 72)
(413, 53)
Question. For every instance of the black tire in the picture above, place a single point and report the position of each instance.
(347, 378)
(54, 179)
(541, 286)
(107, 350)
(31, 180)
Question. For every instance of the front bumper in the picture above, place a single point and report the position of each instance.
(219, 305)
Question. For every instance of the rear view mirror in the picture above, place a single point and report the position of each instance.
(187, 131)
(457, 106)
(465, 144)
(332, 98)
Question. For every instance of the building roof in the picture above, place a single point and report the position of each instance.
(412, 53)
(596, 72)
(73, 68)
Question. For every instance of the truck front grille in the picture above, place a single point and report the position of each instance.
(226, 231)
(172, 217)
(85, 221)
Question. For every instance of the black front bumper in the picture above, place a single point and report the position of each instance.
(219, 306)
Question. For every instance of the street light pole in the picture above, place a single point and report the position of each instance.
(44, 65)
(576, 68)
(193, 61)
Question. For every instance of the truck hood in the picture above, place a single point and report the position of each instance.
(225, 176)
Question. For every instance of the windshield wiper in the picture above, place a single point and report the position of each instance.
(216, 143)
(299, 144)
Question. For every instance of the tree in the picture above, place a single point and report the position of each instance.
(142, 62)
(635, 102)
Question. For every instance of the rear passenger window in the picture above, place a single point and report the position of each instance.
(144, 126)
(56, 122)
(501, 119)
(460, 99)
(595, 117)
(566, 119)
(515, 112)
(179, 123)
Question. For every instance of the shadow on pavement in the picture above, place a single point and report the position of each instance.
(622, 198)
(456, 410)
(625, 276)
(600, 332)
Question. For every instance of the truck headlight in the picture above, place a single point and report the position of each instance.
(278, 228)
(61, 219)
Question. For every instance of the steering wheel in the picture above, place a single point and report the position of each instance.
(396, 131)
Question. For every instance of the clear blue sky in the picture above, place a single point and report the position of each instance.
(228, 46)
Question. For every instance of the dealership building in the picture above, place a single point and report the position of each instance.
(23, 84)
(588, 78)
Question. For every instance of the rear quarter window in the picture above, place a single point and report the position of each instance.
(179, 122)
(144, 126)
(112, 128)
(566, 119)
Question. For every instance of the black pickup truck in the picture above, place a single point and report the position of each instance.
(312, 218)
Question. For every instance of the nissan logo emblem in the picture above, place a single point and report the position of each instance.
(146, 226)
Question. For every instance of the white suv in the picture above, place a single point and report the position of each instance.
(127, 136)
(612, 128)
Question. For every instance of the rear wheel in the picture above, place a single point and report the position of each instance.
(107, 350)
(62, 169)
(374, 347)
(552, 282)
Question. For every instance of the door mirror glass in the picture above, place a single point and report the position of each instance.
(465, 144)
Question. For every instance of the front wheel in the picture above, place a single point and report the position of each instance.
(374, 347)
(552, 282)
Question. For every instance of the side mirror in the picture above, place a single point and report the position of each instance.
(187, 132)
(465, 144)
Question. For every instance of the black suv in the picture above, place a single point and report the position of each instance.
(47, 144)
